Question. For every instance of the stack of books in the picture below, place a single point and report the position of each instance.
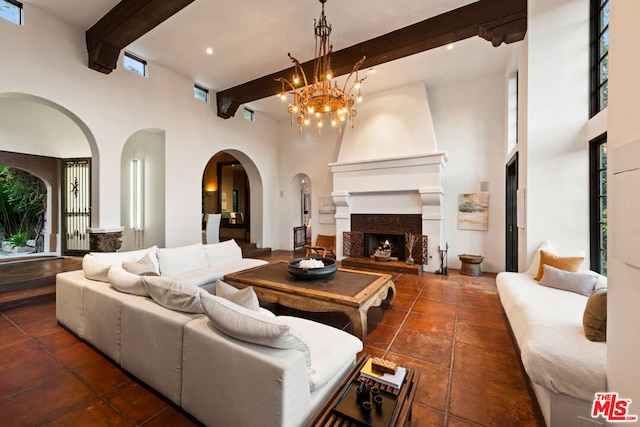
(384, 372)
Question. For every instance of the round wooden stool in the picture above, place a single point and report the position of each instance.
(471, 264)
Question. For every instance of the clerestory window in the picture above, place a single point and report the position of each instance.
(599, 58)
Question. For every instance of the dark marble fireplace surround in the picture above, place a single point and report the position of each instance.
(370, 231)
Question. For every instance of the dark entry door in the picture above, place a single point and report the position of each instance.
(76, 214)
(511, 233)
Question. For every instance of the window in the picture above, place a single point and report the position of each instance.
(249, 115)
(598, 203)
(599, 58)
(135, 64)
(11, 10)
(200, 93)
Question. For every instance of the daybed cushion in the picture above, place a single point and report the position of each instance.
(254, 327)
(594, 320)
(182, 258)
(174, 295)
(581, 283)
(547, 324)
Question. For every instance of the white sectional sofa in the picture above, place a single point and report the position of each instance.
(225, 364)
(566, 369)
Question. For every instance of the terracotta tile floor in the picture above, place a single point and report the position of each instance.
(451, 327)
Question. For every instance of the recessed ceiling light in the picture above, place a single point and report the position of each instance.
(449, 46)
(372, 70)
(209, 51)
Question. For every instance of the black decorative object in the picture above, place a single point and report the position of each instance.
(295, 270)
(444, 269)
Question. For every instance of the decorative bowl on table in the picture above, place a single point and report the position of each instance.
(312, 268)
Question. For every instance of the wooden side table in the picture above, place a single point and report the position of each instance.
(326, 416)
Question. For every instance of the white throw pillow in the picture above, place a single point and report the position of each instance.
(535, 262)
(117, 258)
(142, 267)
(253, 326)
(126, 282)
(580, 283)
(95, 269)
(174, 295)
(223, 252)
(181, 259)
(246, 297)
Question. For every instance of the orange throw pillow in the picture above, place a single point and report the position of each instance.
(569, 263)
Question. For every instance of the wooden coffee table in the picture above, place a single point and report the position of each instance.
(327, 415)
(347, 291)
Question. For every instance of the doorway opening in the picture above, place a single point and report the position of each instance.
(226, 192)
(511, 223)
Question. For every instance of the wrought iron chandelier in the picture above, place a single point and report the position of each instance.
(318, 97)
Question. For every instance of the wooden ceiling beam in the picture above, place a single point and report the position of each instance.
(498, 21)
(122, 25)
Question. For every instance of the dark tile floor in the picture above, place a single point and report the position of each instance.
(451, 327)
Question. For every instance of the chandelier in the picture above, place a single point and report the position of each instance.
(319, 98)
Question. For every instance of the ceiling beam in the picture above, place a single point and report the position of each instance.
(498, 21)
(122, 25)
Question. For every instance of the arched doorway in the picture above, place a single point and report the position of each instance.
(44, 132)
(231, 187)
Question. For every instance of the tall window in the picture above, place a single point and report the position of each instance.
(598, 203)
(599, 57)
(11, 10)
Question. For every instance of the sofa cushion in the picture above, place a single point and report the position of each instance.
(581, 283)
(570, 263)
(126, 282)
(174, 295)
(331, 349)
(145, 266)
(246, 297)
(117, 258)
(594, 320)
(182, 258)
(253, 326)
(95, 269)
(223, 252)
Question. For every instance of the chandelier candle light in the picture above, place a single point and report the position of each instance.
(319, 98)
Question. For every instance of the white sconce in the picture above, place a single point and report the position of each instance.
(137, 194)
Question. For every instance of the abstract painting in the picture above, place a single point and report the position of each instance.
(473, 211)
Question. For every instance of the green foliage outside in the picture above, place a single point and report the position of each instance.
(23, 203)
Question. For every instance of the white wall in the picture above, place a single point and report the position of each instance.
(148, 146)
(623, 326)
(392, 123)
(469, 122)
(48, 60)
(553, 142)
(307, 154)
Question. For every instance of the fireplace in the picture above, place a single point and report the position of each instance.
(408, 189)
(372, 231)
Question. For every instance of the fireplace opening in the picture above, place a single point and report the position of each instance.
(379, 241)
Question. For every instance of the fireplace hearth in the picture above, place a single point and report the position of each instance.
(371, 231)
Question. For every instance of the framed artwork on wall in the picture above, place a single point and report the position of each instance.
(473, 211)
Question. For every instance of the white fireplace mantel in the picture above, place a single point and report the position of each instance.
(397, 185)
